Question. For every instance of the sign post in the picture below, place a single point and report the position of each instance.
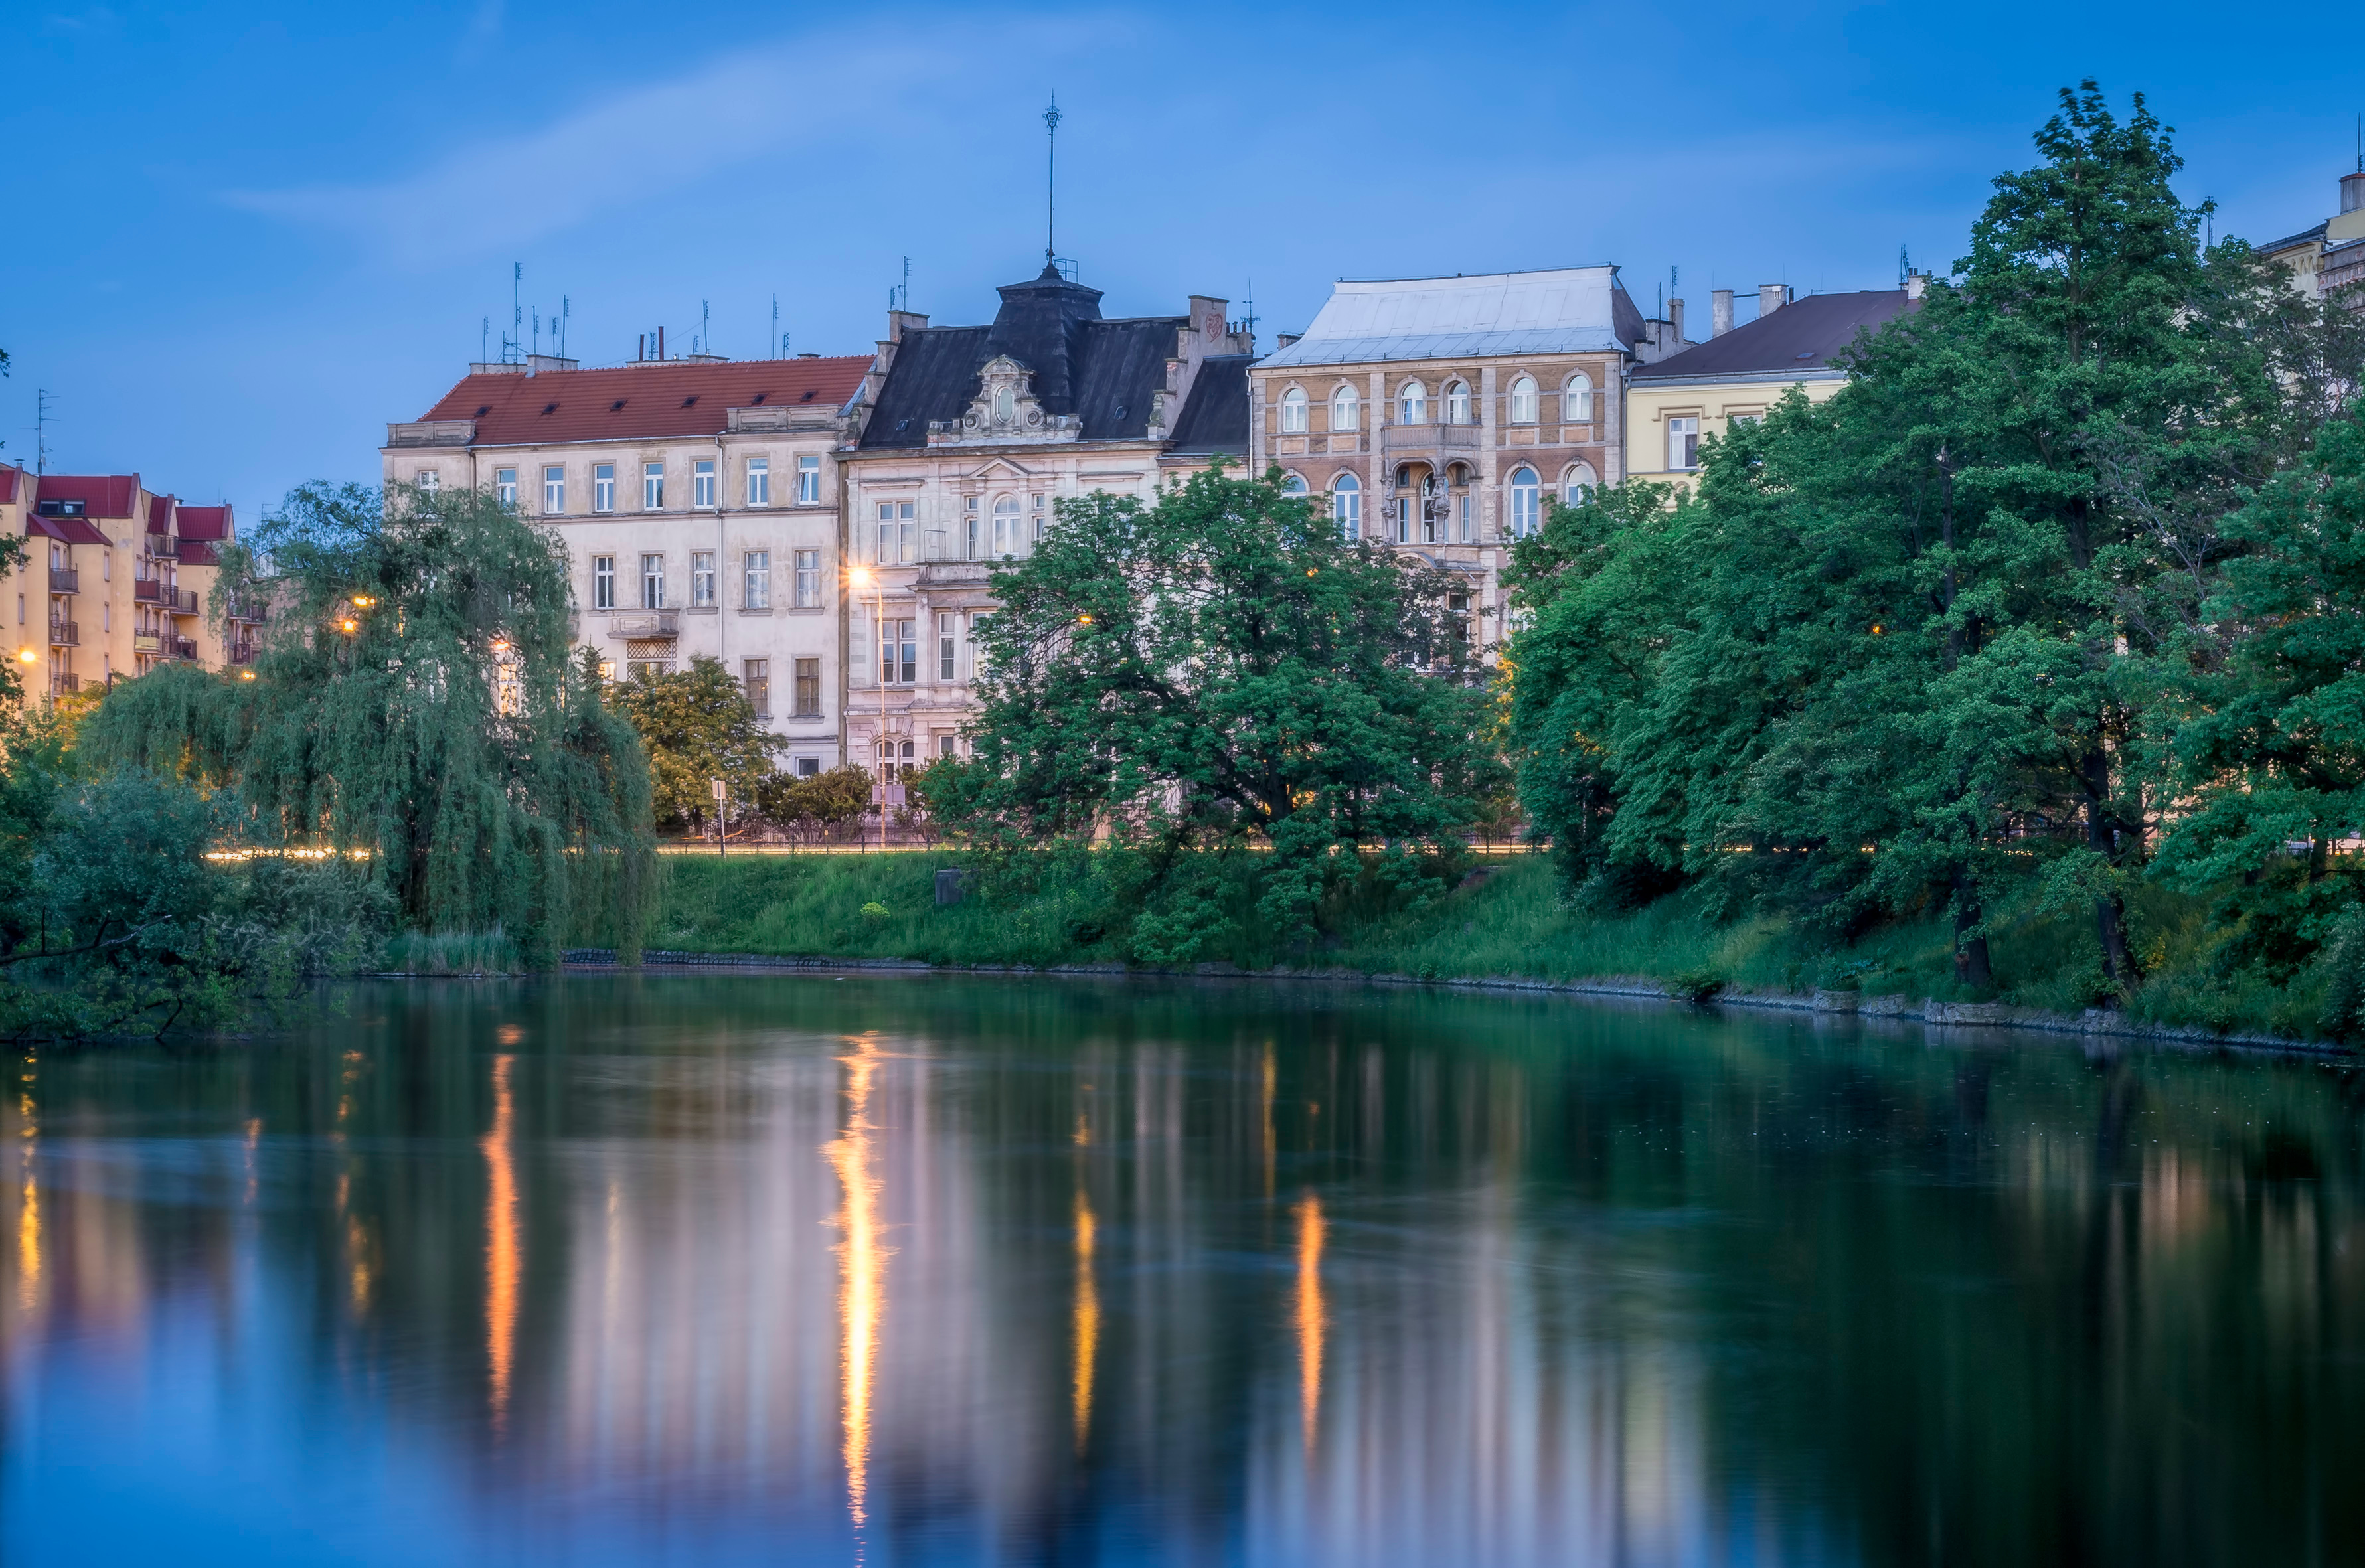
(722, 792)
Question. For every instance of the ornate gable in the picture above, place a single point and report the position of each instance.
(1004, 409)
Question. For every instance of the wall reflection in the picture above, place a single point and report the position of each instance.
(746, 1273)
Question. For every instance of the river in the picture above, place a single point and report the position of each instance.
(894, 1268)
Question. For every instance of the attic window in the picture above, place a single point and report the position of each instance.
(550, 408)
(760, 398)
(808, 396)
(1809, 354)
(900, 424)
(617, 407)
(690, 400)
(1121, 411)
(482, 412)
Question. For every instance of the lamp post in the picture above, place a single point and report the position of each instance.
(722, 794)
(864, 578)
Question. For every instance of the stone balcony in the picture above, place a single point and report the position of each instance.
(1428, 438)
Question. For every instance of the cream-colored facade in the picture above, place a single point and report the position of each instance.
(971, 437)
(116, 580)
(1438, 415)
(699, 501)
(2330, 257)
(1675, 406)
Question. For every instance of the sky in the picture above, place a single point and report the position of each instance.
(246, 236)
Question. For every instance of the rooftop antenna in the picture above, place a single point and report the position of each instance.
(776, 328)
(537, 328)
(907, 283)
(705, 329)
(484, 341)
(565, 309)
(1051, 185)
(516, 312)
(1248, 315)
(41, 429)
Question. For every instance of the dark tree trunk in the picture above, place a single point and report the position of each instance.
(2102, 838)
(1971, 965)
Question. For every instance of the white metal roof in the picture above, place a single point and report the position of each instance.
(1564, 311)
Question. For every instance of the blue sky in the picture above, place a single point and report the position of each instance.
(245, 236)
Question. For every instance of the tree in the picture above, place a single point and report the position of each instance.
(414, 705)
(1217, 670)
(697, 725)
(812, 809)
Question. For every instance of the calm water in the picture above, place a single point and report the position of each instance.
(896, 1270)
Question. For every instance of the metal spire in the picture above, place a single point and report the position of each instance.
(1051, 197)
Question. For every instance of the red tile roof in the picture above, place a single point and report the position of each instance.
(206, 522)
(8, 474)
(640, 401)
(196, 553)
(71, 529)
(102, 495)
(160, 514)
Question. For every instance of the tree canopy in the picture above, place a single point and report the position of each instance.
(414, 705)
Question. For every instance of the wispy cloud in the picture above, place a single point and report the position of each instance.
(482, 32)
(804, 104)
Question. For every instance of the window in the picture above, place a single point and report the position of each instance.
(1042, 519)
(759, 482)
(702, 484)
(428, 480)
(807, 481)
(1005, 526)
(701, 579)
(948, 747)
(1346, 506)
(971, 525)
(807, 588)
(890, 754)
(554, 490)
(1526, 499)
(1682, 443)
(757, 679)
(1408, 504)
(603, 582)
(1523, 400)
(1293, 485)
(655, 668)
(505, 486)
(1003, 405)
(1577, 484)
(1293, 411)
(756, 579)
(1457, 403)
(1457, 604)
(1344, 409)
(653, 487)
(947, 646)
(1576, 401)
(808, 690)
(653, 582)
(899, 653)
(895, 526)
(603, 486)
(808, 766)
(1412, 403)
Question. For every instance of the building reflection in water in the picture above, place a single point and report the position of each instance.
(1109, 1336)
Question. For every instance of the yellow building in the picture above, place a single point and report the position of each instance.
(2330, 256)
(1673, 405)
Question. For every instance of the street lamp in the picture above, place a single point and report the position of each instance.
(722, 794)
(862, 578)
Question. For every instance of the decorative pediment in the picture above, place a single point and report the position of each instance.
(1004, 409)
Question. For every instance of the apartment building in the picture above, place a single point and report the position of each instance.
(1436, 415)
(117, 581)
(1675, 404)
(2329, 257)
(699, 499)
(974, 435)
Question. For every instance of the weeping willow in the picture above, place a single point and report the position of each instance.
(414, 706)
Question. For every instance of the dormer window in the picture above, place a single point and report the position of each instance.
(1005, 405)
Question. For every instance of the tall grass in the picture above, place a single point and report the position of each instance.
(453, 953)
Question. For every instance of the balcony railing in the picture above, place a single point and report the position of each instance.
(184, 601)
(62, 685)
(645, 623)
(64, 635)
(64, 579)
(249, 611)
(164, 646)
(1427, 438)
(163, 547)
(244, 653)
(147, 643)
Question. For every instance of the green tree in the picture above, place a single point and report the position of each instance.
(1218, 669)
(414, 705)
(697, 725)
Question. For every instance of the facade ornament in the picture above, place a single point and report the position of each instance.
(1004, 409)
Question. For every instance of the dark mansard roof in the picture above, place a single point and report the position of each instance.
(1216, 419)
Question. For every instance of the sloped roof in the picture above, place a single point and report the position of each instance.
(160, 514)
(102, 495)
(9, 473)
(1800, 338)
(206, 522)
(642, 401)
(71, 530)
(1562, 310)
(1215, 416)
(1101, 371)
(2304, 237)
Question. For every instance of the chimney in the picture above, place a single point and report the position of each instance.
(2352, 191)
(1285, 340)
(1772, 297)
(1719, 312)
(901, 321)
(1675, 320)
(1916, 285)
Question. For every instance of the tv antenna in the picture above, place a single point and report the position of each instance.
(516, 312)
(1249, 315)
(1051, 185)
(537, 328)
(775, 336)
(565, 309)
(41, 400)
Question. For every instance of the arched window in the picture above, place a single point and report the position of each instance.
(1457, 403)
(1347, 507)
(1576, 401)
(1293, 411)
(1003, 405)
(1523, 400)
(1293, 484)
(1579, 484)
(1344, 409)
(1527, 496)
(1005, 526)
(1412, 403)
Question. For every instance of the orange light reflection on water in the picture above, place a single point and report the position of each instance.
(1088, 1320)
(862, 1267)
(501, 1243)
(1309, 1310)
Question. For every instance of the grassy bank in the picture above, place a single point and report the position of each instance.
(1506, 921)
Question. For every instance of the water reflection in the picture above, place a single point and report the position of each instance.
(737, 1270)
